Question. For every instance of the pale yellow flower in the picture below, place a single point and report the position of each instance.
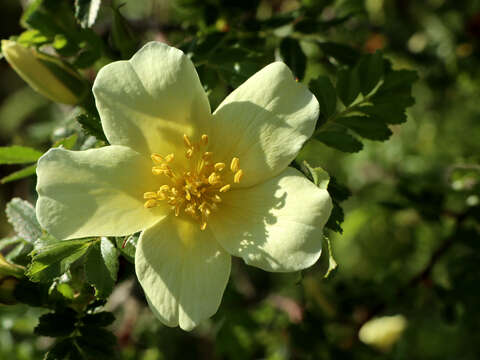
(200, 186)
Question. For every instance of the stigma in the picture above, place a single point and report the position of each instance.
(196, 190)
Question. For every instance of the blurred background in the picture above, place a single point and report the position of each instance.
(409, 252)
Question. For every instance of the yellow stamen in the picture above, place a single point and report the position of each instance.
(194, 187)
(225, 188)
(150, 203)
(187, 141)
(157, 159)
(219, 166)
(238, 176)
(150, 195)
(234, 165)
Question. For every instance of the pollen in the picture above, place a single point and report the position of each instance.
(194, 190)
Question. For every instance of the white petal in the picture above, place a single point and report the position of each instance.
(97, 192)
(277, 225)
(150, 101)
(182, 270)
(265, 122)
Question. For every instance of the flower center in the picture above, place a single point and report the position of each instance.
(197, 189)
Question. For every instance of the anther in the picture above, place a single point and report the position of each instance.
(150, 195)
(164, 188)
(150, 203)
(238, 176)
(234, 165)
(169, 157)
(206, 155)
(203, 226)
(213, 178)
(225, 188)
(216, 198)
(187, 141)
(157, 158)
(219, 166)
(205, 139)
(189, 153)
(156, 170)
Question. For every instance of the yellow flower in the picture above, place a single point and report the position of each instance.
(45, 74)
(200, 186)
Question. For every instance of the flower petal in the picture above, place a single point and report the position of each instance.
(150, 101)
(97, 192)
(182, 270)
(277, 225)
(265, 122)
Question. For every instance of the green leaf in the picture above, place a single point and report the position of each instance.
(86, 12)
(367, 127)
(348, 85)
(20, 174)
(326, 95)
(336, 218)
(21, 214)
(51, 261)
(339, 140)
(370, 71)
(18, 155)
(319, 176)
(67, 143)
(332, 264)
(91, 125)
(123, 37)
(97, 342)
(127, 246)
(103, 318)
(101, 267)
(64, 349)
(30, 293)
(293, 55)
(342, 53)
(58, 323)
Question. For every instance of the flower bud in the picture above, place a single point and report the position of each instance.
(383, 332)
(46, 74)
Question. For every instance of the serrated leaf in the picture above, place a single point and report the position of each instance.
(30, 293)
(326, 95)
(97, 342)
(294, 57)
(127, 246)
(370, 71)
(18, 155)
(342, 53)
(367, 127)
(319, 176)
(336, 218)
(348, 85)
(86, 12)
(20, 174)
(64, 349)
(101, 267)
(332, 264)
(103, 318)
(58, 323)
(91, 125)
(339, 140)
(21, 214)
(339, 192)
(51, 261)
